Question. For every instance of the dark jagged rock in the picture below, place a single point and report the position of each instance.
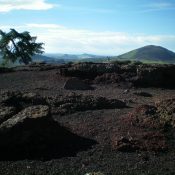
(108, 78)
(21, 100)
(73, 103)
(76, 84)
(33, 134)
(59, 104)
(30, 113)
(142, 75)
(89, 70)
(155, 76)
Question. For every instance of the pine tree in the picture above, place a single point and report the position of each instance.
(15, 46)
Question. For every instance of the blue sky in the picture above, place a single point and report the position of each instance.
(105, 27)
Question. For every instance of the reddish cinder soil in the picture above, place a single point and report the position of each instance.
(104, 126)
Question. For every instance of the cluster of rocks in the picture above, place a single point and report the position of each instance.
(28, 130)
(88, 70)
(72, 103)
(11, 102)
(143, 75)
(147, 128)
(108, 78)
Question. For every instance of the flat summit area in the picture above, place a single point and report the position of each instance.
(114, 119)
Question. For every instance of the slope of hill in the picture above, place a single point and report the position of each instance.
(149, 53)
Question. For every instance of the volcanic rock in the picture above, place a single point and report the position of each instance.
(76, 84)
(33, 134)
(155, 76)
(21, 100)
(6, 112)
(108, 78)
(150, 128)
(125, 145)
(27, 115)
(73, 103)
(89, 70)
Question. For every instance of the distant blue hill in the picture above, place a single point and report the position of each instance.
(65, 58)
(79, 57)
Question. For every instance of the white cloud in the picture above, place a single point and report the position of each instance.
(157, 6)
(161, 5)
(59, 39)
(47, 26)
(8, 5)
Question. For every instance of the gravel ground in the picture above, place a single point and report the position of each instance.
(97, 125)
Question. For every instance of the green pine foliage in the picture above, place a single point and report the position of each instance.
(18, 47)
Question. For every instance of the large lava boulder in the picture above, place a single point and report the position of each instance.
(155, 76)
(33, 134)
(89, 70)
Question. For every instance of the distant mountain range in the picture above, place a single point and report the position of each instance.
(77, 58)
(148, 53)
(65, 58)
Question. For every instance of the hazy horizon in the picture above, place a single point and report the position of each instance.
(97, 27)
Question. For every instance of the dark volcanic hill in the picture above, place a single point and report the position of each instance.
(150, 53)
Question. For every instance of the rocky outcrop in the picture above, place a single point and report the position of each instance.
(155, 76)
(25, 116)
(58, 104)
(28, 131)
(148, 128)
(20, 100)
(142, 75)
(89, 70)
(33, 134)
(108, 78)
(72, 103)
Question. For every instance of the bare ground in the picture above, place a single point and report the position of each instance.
(93, 124)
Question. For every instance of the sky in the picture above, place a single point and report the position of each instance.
(103, 27)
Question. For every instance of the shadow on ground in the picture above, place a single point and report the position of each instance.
(45, 141)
